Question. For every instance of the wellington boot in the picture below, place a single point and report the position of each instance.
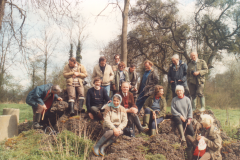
(80, 105)
(202, 102)
(71, 106)
(108, 143)
(189, 152)
(97, 145)
(180, 129)
(36, 121)
(146, 120)
(194, 104)
(138, 124)
(153, 132)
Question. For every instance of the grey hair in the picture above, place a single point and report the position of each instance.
(175, 56)
(179, 87)
(56, 88)
(207, 119)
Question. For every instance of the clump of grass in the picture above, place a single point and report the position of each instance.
(143, 149)
(144, 136)
(176, 145)
(150, 156)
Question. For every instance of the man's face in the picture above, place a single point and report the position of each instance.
(103, 63)
(125, 87)
(117, 59)
(121, 67)
(194, 56)
(71, 64)
(175, 61)
(132, 69)
(97, 83)
(147, 66)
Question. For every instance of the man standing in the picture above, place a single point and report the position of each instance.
(147, 84)
(105, 72)
(129, 104)
(177, 75)
(117, 61)
(133, 80)
(74, 74)
(41, 98)
(196, 71)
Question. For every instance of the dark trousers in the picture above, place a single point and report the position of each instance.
(95, 110)
(152, 124)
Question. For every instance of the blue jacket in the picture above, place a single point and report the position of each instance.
(180, 74)
(37, 95)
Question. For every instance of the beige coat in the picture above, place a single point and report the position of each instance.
(115, 117)
(214, 142)
(107, 77)
(68, 73)
(200, 66)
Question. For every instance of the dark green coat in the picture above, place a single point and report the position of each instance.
(116, 79)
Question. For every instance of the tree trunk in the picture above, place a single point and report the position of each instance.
(2, 6)
(45, 70)
(124, 30)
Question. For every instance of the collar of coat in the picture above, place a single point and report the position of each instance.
(180, 63)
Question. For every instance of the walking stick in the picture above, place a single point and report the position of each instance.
(198, 155)
(184, 131)
(156, 124)
(43, 114)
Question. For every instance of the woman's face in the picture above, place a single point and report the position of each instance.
(205, 125)
(116, 101)
(180, 93)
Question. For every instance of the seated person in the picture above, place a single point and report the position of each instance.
(181, 109)
(129, 104)
(211, 135)
(41, 98)
(120, 76)
(155, 107)
(96, 97)
(115, 120)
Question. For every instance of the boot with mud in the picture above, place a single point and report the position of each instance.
(202, 102)
(96, 148)
(146, 120)
(194, 104)
(153, 132)
(108, 143)
(36, 122)
(71, 106)
(189, 152)
(138, 124)
(180, 129)
(80, 105)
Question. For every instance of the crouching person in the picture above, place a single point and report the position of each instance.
(155, 108)
(211, 135)
(129, 104)
(96, 97)
(182, 113)
(41, 98)
(115, 120)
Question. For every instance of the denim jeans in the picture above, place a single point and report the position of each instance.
(107, 89)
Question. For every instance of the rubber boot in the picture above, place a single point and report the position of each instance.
(202, 102)
(132, 130)
(189, 152)
(153, 132)
(180, 129)
(71, 106)
(194, 104)
(146, 120)
(138, 124)
(108, 143)
(36, 122)
(80, 105)
(97, 145)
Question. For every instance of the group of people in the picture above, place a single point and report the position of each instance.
(119, 114)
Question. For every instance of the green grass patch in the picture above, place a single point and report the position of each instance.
(150, 156)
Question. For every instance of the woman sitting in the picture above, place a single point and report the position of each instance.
(115, 120)
(211, 135)
(155, 108)
(96, 98)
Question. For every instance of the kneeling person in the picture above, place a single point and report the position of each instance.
(41, 98)
(115, 120)
(155, 107)
(96, 97)
(129, 104)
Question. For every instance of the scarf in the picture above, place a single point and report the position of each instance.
(181, 97)
(112, 105)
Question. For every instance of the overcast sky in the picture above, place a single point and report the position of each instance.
(101, 30)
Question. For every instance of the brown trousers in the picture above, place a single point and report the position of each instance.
(37, 109)
(196, 90)
(72, 92)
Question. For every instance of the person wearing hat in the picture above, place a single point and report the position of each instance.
(41, 98)
(155, 108)
(115, 120)
(75, 74)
